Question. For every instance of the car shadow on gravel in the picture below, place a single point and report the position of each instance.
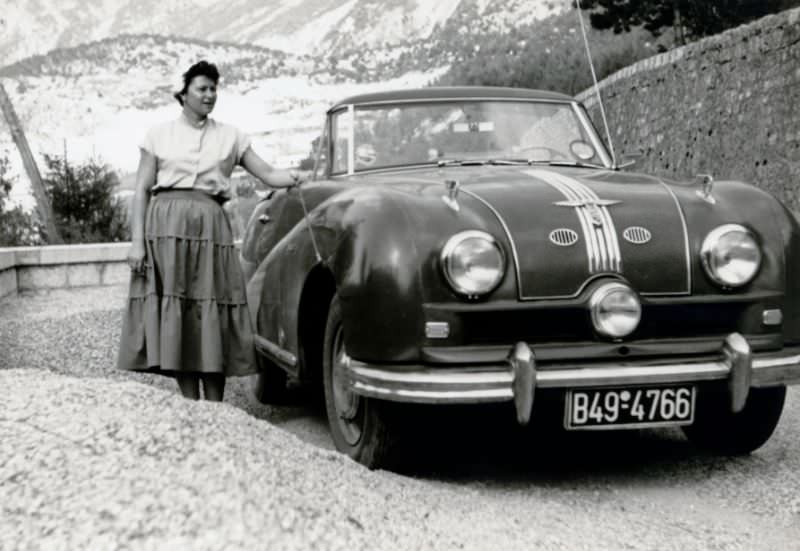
(464, 444)
(485, 443)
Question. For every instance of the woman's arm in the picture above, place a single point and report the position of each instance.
(145, 180)
(270, 176)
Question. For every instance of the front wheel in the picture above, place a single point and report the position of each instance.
(717, 429)
(360, 426)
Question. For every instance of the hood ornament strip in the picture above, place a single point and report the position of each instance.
(602, 245)
(592, 207)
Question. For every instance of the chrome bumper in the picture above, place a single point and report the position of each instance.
(519, 377)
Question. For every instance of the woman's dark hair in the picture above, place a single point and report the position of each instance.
(201, 68)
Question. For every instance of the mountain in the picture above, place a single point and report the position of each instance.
(318, 27)
(96, 98)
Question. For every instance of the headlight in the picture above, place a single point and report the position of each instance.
(731, 256)
(616, 310)
(473, 263)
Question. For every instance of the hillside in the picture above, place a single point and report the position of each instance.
(317, 27)
(97, 99)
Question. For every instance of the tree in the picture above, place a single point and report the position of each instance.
(689, 19)
(17, 228)
(84, 205)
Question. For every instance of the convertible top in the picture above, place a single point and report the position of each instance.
(451, 92)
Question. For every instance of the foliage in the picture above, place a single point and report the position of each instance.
(83, 201)
(17, 228)
(689, 19)
(553, 58)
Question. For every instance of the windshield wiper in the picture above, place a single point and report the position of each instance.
(577, 164)
(479, 162)
(507, 162)
(514, 162)
(460, 162)
(541, 162)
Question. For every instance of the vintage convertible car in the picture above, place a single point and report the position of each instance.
(468, 245)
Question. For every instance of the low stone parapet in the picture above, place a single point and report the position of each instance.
(62, 266)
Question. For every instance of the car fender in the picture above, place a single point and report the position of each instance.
(741, 203)
(362, 238)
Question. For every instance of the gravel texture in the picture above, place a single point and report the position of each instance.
(93, 458)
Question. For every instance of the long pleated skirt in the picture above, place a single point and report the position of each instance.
(188, 311)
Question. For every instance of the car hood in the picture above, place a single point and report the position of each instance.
(567, 226)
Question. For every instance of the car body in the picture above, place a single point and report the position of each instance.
(475, 244)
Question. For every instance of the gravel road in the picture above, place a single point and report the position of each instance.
(92, 458)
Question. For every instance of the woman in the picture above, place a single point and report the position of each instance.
(187, 314)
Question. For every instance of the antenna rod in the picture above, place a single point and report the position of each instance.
(308, 224)
(594, 79)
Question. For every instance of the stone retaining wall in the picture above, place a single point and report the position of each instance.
(62, 266)
(728, 105)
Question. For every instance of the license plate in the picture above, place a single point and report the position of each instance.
(613, 408)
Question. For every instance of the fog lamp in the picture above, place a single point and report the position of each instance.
(616, 310)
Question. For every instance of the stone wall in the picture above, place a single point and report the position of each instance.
(728, 105)
(62, 266)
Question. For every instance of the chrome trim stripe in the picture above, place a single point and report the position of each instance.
(606, 255)
(433, 396)
(351, 141)
(614, 241)
(608, 376)
(686, 246)
(275, 352)
(498, 376)
(592, 254)
(769, 363)
(447, 99)
(576, 194)
(494, 383)
(607, 225)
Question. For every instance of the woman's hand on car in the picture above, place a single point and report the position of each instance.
(299, 177)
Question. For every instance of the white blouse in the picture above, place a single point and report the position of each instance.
(196, 156)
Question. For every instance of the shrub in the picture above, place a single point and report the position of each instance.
(84, 206)
(17, 228)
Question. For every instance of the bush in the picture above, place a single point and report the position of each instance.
(84, 206)
(17, 228)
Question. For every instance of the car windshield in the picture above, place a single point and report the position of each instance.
(384, 136)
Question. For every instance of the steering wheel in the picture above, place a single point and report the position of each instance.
(552, 154)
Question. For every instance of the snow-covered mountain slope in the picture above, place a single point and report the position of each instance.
(319, 27)
(97, 101)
